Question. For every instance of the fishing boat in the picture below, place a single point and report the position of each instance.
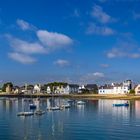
(39, 112)
(54, 108)
(80, 103)
(65, 106)
(25, 114)
(121, 104)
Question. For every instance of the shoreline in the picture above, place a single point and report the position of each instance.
(74, 96)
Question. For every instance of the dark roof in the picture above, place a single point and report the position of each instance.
(74, 85)
(106, 87)
(91, 86)
(118, 84)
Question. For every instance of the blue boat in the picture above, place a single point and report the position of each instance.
(121, 104)
(32, 106)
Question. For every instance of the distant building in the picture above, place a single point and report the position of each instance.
(63, 89)
(8, 88)
(27, 89)
(93, 88)
(116, 88)
(137, 90)
(16, 90)
(37, 88)
(48, 89)
(81, 89)
(71, 89)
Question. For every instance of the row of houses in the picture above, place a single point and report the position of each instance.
(63, 88)
(116, 88)
(59, 88)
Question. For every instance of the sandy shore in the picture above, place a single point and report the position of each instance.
(82, 96)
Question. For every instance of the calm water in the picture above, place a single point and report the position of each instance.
(96, 120)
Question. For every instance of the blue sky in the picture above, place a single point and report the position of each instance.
(75, 41)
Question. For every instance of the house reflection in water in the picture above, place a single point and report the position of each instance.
(137, 109)
(106, 107)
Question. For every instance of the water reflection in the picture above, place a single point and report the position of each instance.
(96, 118)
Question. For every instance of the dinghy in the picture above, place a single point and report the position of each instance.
(121, 104)
(39, 112)
(80, 102)
(25, 114)
(54, 108)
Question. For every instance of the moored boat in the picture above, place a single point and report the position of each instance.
(54, 108)
(80, 102)
(121, 104)
(39, 112)
(25, 114)
(65, 106)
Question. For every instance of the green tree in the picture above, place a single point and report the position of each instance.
(54, 85)
(132, 91)
(6, 84)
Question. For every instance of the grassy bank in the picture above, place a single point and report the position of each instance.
(75, 96)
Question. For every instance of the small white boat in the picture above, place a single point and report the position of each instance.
(65, 106)
(25, 114)
(54, 108)
(80, 102)
(39, 112)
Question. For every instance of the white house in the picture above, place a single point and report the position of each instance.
(64, 89)
(72, 88)
(81, 88)
(37, 88)
(137, 89)
(48, 90)
(115, 88)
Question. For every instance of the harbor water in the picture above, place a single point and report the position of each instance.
(93, 120)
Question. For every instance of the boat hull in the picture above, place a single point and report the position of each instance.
(117, 105)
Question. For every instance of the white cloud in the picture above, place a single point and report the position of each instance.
(24, 25)
(116, 53)
(100, 15)
(22, 58)
(104, 65)
(98, 74)
(26, 47)
(45, 43)
(127, 49)
(54, 40)
(76, 13)
(92, 77)
(62, 62)
(99, 30)
(136, 15)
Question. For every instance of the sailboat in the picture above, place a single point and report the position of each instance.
(39, 111)
(53, 107)
(25, 113)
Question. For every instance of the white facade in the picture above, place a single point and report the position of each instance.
(37, 89)
(63, 89)
(105, 91)
(48, 90)
(137, 90)
(123, 88)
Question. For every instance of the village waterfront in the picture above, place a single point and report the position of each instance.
(95, 119)
(69, 111)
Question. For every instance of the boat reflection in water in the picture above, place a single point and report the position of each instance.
(96, 119)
